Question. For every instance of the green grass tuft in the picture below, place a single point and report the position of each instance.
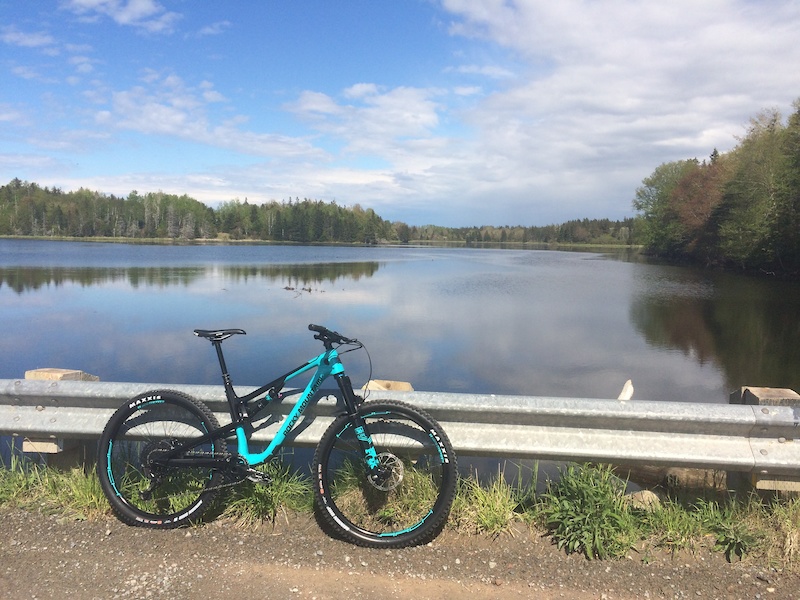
(253, 504)
(585, 511)
(27, 485)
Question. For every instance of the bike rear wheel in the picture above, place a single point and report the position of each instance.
(141, 490)
(410, 502)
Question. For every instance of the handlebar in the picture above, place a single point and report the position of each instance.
(328, 337)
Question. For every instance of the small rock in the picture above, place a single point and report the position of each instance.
(643, 500)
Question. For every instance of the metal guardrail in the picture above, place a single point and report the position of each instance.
(761, 440)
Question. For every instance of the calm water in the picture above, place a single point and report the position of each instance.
(464, 320)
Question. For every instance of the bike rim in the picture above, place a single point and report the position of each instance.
(410, 489)
(157, 495)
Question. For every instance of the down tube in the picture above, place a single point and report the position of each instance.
(327, 364)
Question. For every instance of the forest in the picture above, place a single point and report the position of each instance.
(739, 209)
(27, 209)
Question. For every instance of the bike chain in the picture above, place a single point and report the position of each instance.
(250, 473)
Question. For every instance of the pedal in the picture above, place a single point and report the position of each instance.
(258, 477)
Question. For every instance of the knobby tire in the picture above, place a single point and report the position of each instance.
(141, 492)
(410, 504)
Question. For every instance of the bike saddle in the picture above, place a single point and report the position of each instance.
(217, 335)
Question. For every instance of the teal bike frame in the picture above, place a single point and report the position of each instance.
(327, 364)
(244, 409)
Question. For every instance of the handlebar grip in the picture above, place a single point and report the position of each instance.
(326, 335)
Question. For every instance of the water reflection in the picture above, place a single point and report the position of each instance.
(747, 327)
(462, 320)
(28, 279)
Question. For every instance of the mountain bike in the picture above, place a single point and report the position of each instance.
(384, 472)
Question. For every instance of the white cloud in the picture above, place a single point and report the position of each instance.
(83, 64)
(374, 120)
(145, 15)
(26, 72)
(13, 163)
(615, 88)
(211, 95)
(11, 115)
(214, 29)
(471, 90)
(491, 71)
(360, 90)
(166, 106)
(314, 104)
(12, 36)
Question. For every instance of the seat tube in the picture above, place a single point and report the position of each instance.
(235, 411)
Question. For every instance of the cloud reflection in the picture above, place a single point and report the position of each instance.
(482, 321)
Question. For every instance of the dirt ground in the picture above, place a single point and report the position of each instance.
(52, 557)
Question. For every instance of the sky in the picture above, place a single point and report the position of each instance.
(447, 112)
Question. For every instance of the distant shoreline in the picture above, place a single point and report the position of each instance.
(226, 241)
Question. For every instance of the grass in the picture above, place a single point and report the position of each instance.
(490, 508)
(252, 504)
(384, 511)
(75, 493)
(583, 511)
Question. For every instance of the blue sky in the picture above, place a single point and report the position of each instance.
(453, 112)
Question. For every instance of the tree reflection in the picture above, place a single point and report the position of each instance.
(27, 279)
(747, 327)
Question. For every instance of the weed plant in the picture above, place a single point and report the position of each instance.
(585, 511)
(490, 508)
(671, 526)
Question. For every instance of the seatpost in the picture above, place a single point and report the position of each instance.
(218, 347)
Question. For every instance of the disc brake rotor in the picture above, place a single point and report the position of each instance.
(390, 472)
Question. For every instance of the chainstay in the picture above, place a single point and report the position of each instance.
(240, 478)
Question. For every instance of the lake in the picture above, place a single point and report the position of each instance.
(543, 323)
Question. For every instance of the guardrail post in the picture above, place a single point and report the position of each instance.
(766, 397)
(57, 452)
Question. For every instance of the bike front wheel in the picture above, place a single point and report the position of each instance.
(410, 501)
(144, 490)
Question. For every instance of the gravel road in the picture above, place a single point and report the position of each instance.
(52, 557)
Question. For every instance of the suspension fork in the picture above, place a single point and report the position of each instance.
(351, 403)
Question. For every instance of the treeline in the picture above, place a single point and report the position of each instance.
(585, 231)
(26, 209)
(738, 209)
